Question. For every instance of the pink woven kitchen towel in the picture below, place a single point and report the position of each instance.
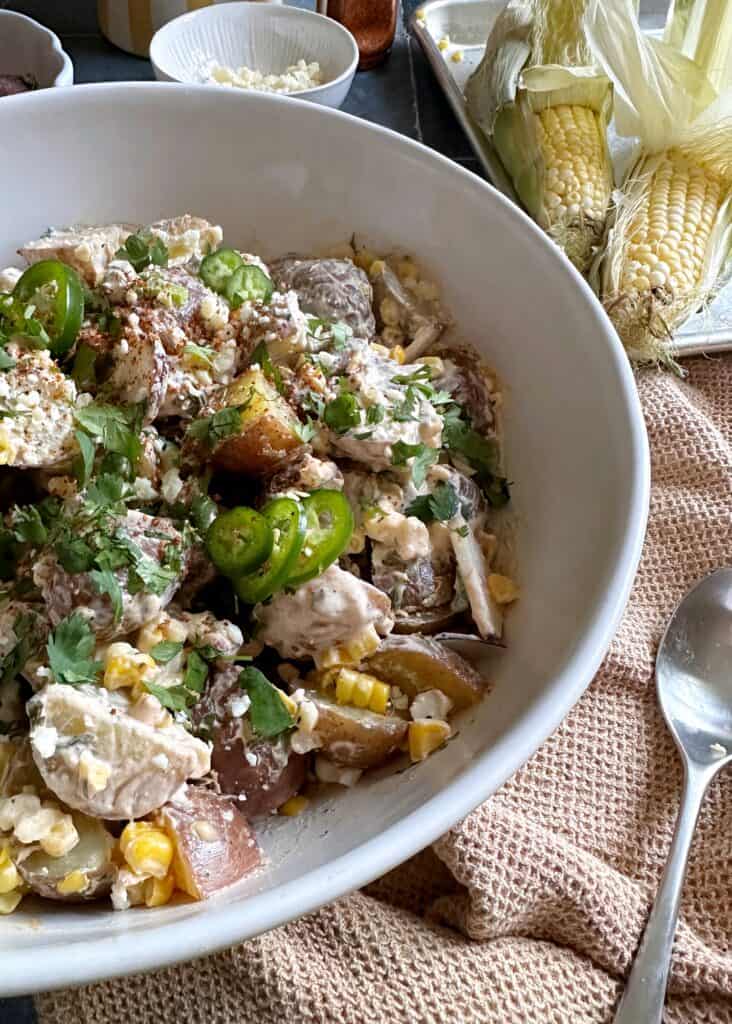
(529, 911)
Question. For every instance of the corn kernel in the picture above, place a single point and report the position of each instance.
(419, 14)
(425, 736)
(358, 689)
(456, 57)
(61, 837)
(147, 848)
(377, 267)
(72, 884)
(398, 354)
(294, 806)
(7, 448)
(351, 653)
(125, 666)
(93, 771)
(9, 901)
(156, 892)
(9, 877)
(502, 589)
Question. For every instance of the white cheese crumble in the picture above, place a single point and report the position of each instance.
(718, 750)
(297, 77)
(239, 705)
(45, 738)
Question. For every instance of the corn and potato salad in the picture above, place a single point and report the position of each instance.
(241, 503)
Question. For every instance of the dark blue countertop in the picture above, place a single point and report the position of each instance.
(401, 94)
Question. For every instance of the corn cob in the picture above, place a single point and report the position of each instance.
(546, 112)
(670, 236)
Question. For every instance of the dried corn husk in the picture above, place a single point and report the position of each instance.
(668, 105)
(536, 60)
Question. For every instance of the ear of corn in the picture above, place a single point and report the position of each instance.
(670, 237)
(546, 112)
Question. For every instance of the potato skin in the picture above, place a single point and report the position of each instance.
(269, 428)
(354, 737)
(214, 845)
(276, 776)
(277, 772)
(415, 663)
(92, 855)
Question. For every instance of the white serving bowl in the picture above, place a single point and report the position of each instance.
(281, 176)
(265, 37)
(27, 48)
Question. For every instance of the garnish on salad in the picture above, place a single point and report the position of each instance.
(241, 503)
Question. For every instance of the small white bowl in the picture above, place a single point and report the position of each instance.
(264, 37)
(27, 48)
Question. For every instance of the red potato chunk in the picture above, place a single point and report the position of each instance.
(214, 844)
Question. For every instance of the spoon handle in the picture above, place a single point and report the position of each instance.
(645, 991)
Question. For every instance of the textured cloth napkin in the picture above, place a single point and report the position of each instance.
(530, 910)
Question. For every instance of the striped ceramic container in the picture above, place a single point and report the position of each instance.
(131, 24)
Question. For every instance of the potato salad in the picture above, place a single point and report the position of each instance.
(243, 505)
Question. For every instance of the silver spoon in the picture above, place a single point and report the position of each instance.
(694, 687)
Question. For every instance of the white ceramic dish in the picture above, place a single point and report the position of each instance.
(576, 451)
(27, 48)
(265, 37)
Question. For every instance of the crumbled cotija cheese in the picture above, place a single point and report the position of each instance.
(296, 78)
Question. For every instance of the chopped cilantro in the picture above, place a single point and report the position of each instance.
(107, 492)
(213, 429)
(107, 583)
(73, 552)
(84, 462)
(441, 505)
(6, 361)
(342, 413)
(143, 248)
(203, 353)
(83, 371)
(480, 452)
(117, 427)
(267, 712)
(70, 648)
(305, 431)
(462, 531)
(28, 526)
(261, 356)
(15, 659)
(196, 672)
(174, 698)
(375, 414)
(166, 650)
(423, 456)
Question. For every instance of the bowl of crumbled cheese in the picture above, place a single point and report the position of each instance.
(260, 47)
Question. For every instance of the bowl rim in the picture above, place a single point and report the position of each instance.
(65, 75)
(257, 10)
(90, 959)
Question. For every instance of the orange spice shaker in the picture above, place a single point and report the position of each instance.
(372, 22)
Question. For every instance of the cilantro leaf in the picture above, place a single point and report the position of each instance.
(6, 361)
(267, 712)
(73, 552)
(84, 463)
(213, 429)
(375, 414)
(174, 698)
(342, 413)
(70, 647)
(116, 426)
(143, 248)
(108, 491)
(28, 526)
(20, 652)
(480, 452)
(204, 353)
(441, 505)
(166, 650)
(271, 372)
(196, 672)
(423, 456)
(107, 583)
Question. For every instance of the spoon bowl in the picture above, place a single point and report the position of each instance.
(694, 671)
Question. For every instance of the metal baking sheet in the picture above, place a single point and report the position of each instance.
(466, 23)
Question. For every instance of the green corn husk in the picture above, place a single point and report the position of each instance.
(536, 60)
